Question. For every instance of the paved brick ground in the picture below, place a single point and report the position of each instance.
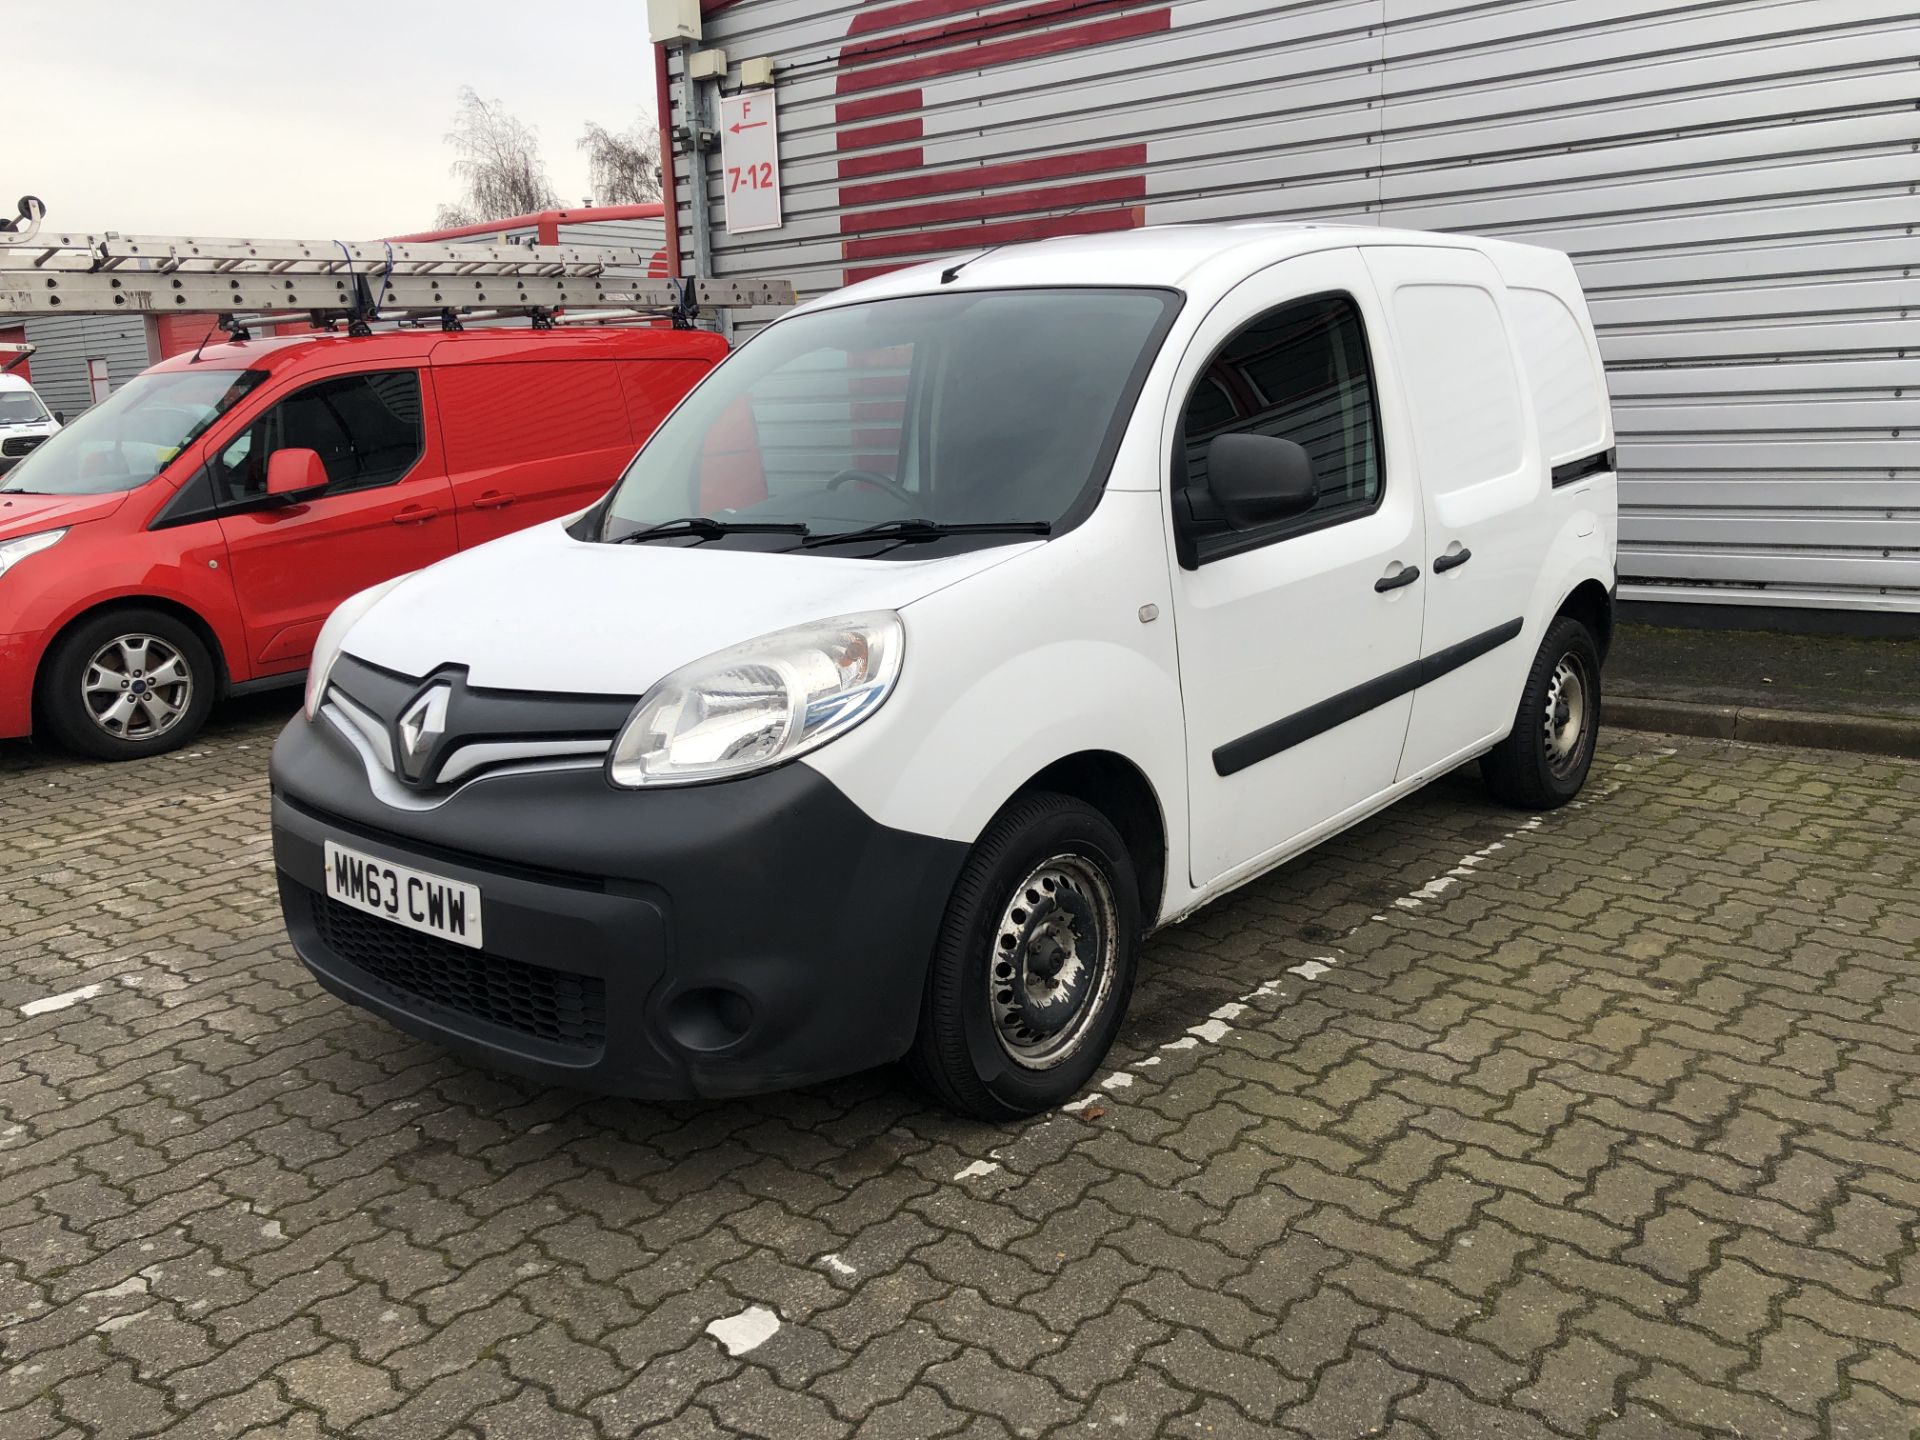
(1467, 1126)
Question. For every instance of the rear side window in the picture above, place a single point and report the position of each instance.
(366, 429)
(1461, 385)
(1568, 393)
(1297, 373)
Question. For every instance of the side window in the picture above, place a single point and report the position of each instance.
(1299, 373)
(366, 429)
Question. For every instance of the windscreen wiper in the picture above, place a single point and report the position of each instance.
(906, 530)
(708, 528)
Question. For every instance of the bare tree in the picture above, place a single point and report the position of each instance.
(499, 166)
(625, 166)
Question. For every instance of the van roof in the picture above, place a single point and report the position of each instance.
(15, 382)
(1170, 255)
(438, 347)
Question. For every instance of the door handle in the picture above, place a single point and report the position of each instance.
(494, 500)
(415, 514)
(1452, 560)
(1405, 575)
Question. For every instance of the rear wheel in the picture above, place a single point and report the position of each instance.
(126, 684)
(1034, 964)
(1544, 761)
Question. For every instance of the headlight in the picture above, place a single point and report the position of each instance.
(333, 635)
(761, 703)
(14, 551)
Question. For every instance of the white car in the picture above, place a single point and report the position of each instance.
(24, 421)
(964, 627)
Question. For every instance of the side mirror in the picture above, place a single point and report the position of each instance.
(1258, 478)
(59, 417)
(293, 473)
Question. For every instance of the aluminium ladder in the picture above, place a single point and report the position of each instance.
(275, 281)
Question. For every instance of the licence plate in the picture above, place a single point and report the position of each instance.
(409, 897)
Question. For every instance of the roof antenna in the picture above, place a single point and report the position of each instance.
(952, 272)
(203, 342)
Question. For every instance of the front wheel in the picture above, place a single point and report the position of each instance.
(127, 684)
(1035, 961)
(1544, 761)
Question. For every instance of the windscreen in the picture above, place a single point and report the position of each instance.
(21, 407)
(130, 436)
(961, 409)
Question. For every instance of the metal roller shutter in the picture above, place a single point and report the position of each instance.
(1736, 183)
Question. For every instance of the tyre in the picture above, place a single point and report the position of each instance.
(126, 684)
(1544, 761)
(1034, 963)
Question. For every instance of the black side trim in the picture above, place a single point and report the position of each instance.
(1598, 463)
(284, 680)
(1302, 725)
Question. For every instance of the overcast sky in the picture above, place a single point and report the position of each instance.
(271, 118)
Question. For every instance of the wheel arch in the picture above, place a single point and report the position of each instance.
(185, 614)
(1591, 603)
(1119, 790)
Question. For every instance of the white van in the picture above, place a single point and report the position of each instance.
(24, 421)
(961, 629)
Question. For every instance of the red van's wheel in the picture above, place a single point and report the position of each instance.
(127, 683)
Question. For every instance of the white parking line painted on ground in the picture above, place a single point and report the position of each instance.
(748, 1330)
(50, 1003)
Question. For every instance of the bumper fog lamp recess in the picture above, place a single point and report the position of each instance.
(709, 1018)
(760, 704)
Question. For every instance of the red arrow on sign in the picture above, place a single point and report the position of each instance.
(736, 127)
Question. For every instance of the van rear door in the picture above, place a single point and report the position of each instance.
(1478, 455)
(529, 440)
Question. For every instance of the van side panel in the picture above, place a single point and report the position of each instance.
(527, 441)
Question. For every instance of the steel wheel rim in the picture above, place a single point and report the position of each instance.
(136, 687)
(1565, 722)
(1053, 961)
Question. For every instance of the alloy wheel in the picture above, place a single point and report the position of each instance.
(136, 687)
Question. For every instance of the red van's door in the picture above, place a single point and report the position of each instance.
(529, 440)
(387, 508)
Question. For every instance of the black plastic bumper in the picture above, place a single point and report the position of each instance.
(709, 940)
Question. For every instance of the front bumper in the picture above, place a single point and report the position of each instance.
(19, 654)
(711, 940)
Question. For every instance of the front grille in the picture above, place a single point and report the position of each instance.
(20, 444)
(552, 1005)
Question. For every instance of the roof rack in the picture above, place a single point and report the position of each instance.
(47, 273)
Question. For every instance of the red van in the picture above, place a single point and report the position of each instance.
(184, 540)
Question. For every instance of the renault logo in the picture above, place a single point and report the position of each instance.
(422, 724)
